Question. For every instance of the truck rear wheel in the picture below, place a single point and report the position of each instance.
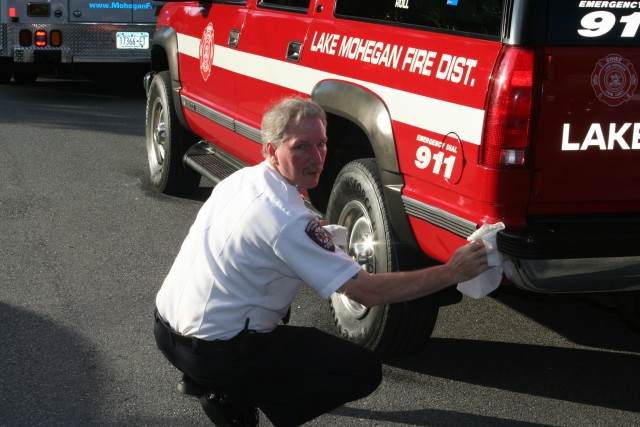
(628, 304)
(166, 141)
(357, 203)
(25, 77)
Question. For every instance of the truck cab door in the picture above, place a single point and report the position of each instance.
(206, 47)
(270, 44)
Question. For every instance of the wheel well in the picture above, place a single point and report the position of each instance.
(346, 142)
(159, 61)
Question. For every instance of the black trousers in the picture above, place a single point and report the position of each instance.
(293, 374)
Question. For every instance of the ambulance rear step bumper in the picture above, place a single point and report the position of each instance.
(210, 162)
(575, 254)
(38, 55)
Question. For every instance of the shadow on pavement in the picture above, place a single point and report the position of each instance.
(48, 373)
(580, 320)
(588, 377)
(601, 370)
(76, 104)
(435, 417)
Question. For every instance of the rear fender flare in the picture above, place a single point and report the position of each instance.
(369, 112)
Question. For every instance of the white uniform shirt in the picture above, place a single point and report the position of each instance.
(252, 245)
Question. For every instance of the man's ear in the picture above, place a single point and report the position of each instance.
(271, 153)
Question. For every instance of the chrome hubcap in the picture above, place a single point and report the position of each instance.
(159, 134)
(360, 248)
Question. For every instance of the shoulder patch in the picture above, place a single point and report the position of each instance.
(319, 235)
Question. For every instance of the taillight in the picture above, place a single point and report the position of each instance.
(507, 127)
(55, 38)
(26, 39)
(41, 38)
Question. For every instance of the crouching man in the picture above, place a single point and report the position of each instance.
(239, 269)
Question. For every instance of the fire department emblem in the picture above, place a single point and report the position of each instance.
(614, 80)
(320, 236)
(206, 51)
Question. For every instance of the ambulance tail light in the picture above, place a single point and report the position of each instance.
(41, 38)
(13, 14)
(55, 38)
(507, 126)
(26, 38)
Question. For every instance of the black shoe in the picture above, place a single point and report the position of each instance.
(190, 387)
(219, 410)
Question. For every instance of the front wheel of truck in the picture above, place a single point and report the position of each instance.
(166, 141)
(5, 77)
(357, 202)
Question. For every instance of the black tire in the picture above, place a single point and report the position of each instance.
(357, 202)
(628, 304)
(5, 77)
(167, 141)
(25, 77)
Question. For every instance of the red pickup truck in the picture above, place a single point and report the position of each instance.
(443, 115)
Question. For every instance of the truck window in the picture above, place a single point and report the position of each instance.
(482, 17)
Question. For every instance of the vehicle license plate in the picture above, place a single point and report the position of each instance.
(132, 40)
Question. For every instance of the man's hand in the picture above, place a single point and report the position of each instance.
(467, 262)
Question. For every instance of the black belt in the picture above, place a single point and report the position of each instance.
(192, 342)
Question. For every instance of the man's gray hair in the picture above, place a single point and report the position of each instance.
(289, 111)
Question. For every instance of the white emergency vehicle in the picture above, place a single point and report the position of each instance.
(37, 36)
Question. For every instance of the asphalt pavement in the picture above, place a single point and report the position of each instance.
(85, 243)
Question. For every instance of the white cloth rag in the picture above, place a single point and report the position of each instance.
(338, 234)
(489, 280)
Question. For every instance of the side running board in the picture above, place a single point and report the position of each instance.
(211, 162)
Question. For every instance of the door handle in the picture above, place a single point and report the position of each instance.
(234, 38)
(293, 51)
